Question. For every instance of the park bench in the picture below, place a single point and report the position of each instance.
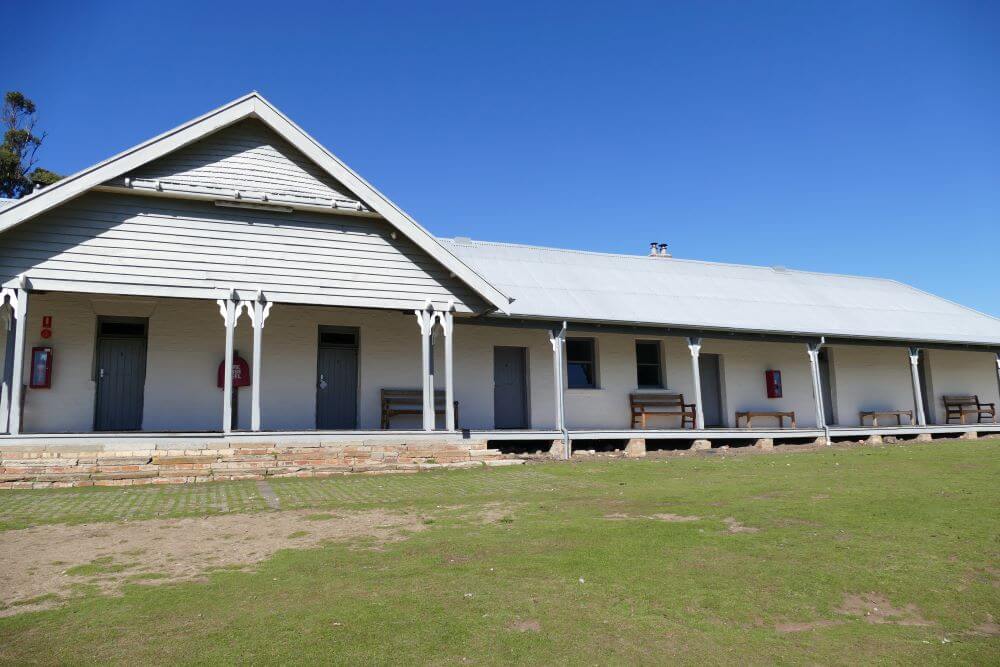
(780, 416)
(875, 414)
(396, 402)
(956, 407)
(642, 405)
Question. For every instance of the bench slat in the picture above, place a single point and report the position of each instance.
(672, 405)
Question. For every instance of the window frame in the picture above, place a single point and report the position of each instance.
(596, 382)
(658, 364)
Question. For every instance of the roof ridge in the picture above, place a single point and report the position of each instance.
(468, 241)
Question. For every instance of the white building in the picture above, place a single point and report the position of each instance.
(238, 232)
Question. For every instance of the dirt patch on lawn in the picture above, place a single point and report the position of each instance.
(988, 629)
(805, 627)
(529, 625)
(45, 564)
(733, 526)
(669, 518)
(876, 608)
(485, 514)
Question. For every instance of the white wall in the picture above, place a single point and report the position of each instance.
(69, 405)
(186, 339)
(742, 368)
(186, 342)
(866, 378)
(956, 372)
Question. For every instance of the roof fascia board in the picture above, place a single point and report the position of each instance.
(717, 334)
(638, 330)
(378, 202)
(244, 294)
(927, 345)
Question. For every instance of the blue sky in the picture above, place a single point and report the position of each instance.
(850, 137)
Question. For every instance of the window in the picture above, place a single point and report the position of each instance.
(338, 338)
(581, 363)
(648, 367)
(123, 328)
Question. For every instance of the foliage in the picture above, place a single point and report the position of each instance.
(18, 152)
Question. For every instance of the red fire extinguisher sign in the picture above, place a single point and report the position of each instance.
(773, 380)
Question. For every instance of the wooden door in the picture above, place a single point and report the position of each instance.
(337, 380)
(120, 375)
(510, 387)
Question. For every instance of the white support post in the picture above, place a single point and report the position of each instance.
(918, 396)
(447, 320)
(694, 344)
(813, 350)
(227, 307)
(998, 371)
(8, 298)
(19, 301)
(425, 319)
(258, 314)
(558, 342)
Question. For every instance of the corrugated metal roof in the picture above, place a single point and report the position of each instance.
(635, 289)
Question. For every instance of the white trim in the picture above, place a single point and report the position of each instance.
(447, 320)
(694, 345)
(918, 396)
(252, 105)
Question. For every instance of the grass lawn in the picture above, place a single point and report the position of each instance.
(862, 554)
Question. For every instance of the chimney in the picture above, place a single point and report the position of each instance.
(663, 251)
(652, 249)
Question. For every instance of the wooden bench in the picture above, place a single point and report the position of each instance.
(780, 416)
(397, 402)
(642, 405)
(956, 407)
(875, 414)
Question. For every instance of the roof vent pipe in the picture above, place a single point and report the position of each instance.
(652, 249)
(663, 251)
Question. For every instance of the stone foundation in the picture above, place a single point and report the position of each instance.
(635, 448)
(36, 467)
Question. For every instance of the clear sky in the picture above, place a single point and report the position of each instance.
(849, 137)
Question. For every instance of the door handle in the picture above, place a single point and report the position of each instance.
(100, 374)
(322, 381)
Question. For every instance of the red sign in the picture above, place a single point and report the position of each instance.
(773, 382)
(46, 326)
(41, 368)
(241, 373)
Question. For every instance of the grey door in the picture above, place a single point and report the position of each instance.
(337, 380)
(826, 387)
(711, 389)
(510, 387)
(120, 375)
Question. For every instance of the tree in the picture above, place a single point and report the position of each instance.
(18, 174)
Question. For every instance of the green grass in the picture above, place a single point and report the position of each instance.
(97, 567)
(554, 581)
